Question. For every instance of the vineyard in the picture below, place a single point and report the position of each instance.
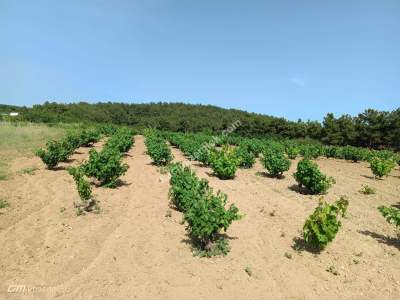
(157, 214)
(196, 150)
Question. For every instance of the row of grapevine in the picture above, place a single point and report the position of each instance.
(224, 161)
(274, 154)
(61, 151)
(225, 155)
(106, 166)
(189, 143)
(228, 154)
(206, 215)
(204, 211)
(307, 174)
(157, 148)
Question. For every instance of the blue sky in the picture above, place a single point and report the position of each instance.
(296, 59)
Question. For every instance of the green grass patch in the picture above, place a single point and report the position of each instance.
(22, 139)
(3, 169)
(29, 170)
(25, 138)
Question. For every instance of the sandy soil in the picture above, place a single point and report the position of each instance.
(134, 250)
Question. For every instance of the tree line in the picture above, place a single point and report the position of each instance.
(371, 128)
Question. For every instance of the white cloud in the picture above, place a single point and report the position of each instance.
(298, 81)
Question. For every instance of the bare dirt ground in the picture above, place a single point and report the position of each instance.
(133, 249)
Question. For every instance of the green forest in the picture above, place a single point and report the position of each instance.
(371, 128)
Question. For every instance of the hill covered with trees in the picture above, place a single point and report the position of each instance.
(371, 128)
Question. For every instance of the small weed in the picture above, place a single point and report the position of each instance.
(163, 170)
(356, 261)
(62, 209)
(288, 255)
(79, 211)
(220, 247)
(3, 204)
(168, 214)
(248, 271)
(367, 190)
(29, 170)
(333, 270)
(96, 209)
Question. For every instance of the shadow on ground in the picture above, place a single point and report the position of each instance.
(394, 242)
(299, 244)
(299, 189)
